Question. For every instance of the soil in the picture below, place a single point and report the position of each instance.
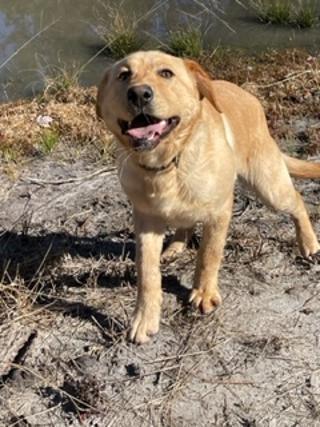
(67, 293)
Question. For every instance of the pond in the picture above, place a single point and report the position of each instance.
(38, 38)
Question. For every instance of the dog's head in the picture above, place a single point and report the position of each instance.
(149, 99)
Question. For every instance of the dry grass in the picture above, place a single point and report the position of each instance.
(120, 31)
(72, 110)
(287, 83)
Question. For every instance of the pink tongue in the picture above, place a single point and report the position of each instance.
(148, 132)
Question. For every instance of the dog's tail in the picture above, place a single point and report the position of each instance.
(301, 168)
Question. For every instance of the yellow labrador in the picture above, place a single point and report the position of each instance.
(184, 139)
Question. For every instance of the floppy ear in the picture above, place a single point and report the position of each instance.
(101, 89)
(203, 81)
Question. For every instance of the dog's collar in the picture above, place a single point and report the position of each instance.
(174, 161)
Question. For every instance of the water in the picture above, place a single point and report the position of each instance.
(72, 42)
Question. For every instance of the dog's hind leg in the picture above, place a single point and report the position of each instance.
(269, 176)
(178, 244)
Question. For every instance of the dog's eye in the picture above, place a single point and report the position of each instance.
(166, 73)
(124, 75)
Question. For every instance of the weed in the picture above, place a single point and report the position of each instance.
(122, 37)
(306, 15)
(48, 140)
(273, 11)
(186, 43)
(300, 14)
(60, 82)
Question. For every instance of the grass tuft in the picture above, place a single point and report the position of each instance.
(186, 43)
(120, 34)
(299, 14)
(60, 83)
(48, 140)
(306, 15)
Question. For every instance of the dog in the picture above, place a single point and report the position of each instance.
(183, 141)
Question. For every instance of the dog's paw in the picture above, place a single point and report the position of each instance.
(204, 300)
(309, 248)
(145, 324)
(172, 251)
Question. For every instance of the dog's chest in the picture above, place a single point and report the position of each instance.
(180, 201)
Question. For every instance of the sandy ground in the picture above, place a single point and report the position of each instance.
(67, 295)
(67, 280)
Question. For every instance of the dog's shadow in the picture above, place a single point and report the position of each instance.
(31, 257)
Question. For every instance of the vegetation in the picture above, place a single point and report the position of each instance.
(306, 15)
(48, 140)
(186, 43)
(72, 108)
(122, 36)
(60, 82)
(73, 124)
(300, 14)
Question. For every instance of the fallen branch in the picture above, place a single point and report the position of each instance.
(37, 181)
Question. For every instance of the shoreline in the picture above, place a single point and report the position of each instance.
(287, 83)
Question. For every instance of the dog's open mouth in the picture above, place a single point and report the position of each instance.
(146, 131)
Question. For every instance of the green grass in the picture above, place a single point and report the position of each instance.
(120, 34)
(60, 81)
(306, 15)
(124, 43)
(48, 140)
(186, 43)
(295, 13)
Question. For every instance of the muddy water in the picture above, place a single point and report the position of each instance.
(39, 37)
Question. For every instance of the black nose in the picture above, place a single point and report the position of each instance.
(139, 96)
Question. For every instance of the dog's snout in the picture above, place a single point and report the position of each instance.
(140, 96)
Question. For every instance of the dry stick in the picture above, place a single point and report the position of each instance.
(28, 314)
(28, 42)
(182, 356)
(292, 77)
(284, 393)
(102, 171)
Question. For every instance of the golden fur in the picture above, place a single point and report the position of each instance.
(189, 176)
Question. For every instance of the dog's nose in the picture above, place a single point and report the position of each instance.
(139, 96)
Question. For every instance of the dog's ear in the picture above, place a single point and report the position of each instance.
(100, 93)
(203, 81)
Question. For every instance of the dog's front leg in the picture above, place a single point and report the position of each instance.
(149, 238)
(205, 293)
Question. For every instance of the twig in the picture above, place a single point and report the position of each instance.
(70, 180)
(182, 356)
(292, 77)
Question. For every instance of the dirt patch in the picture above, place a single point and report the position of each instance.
(67, 293)
(66, 253)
